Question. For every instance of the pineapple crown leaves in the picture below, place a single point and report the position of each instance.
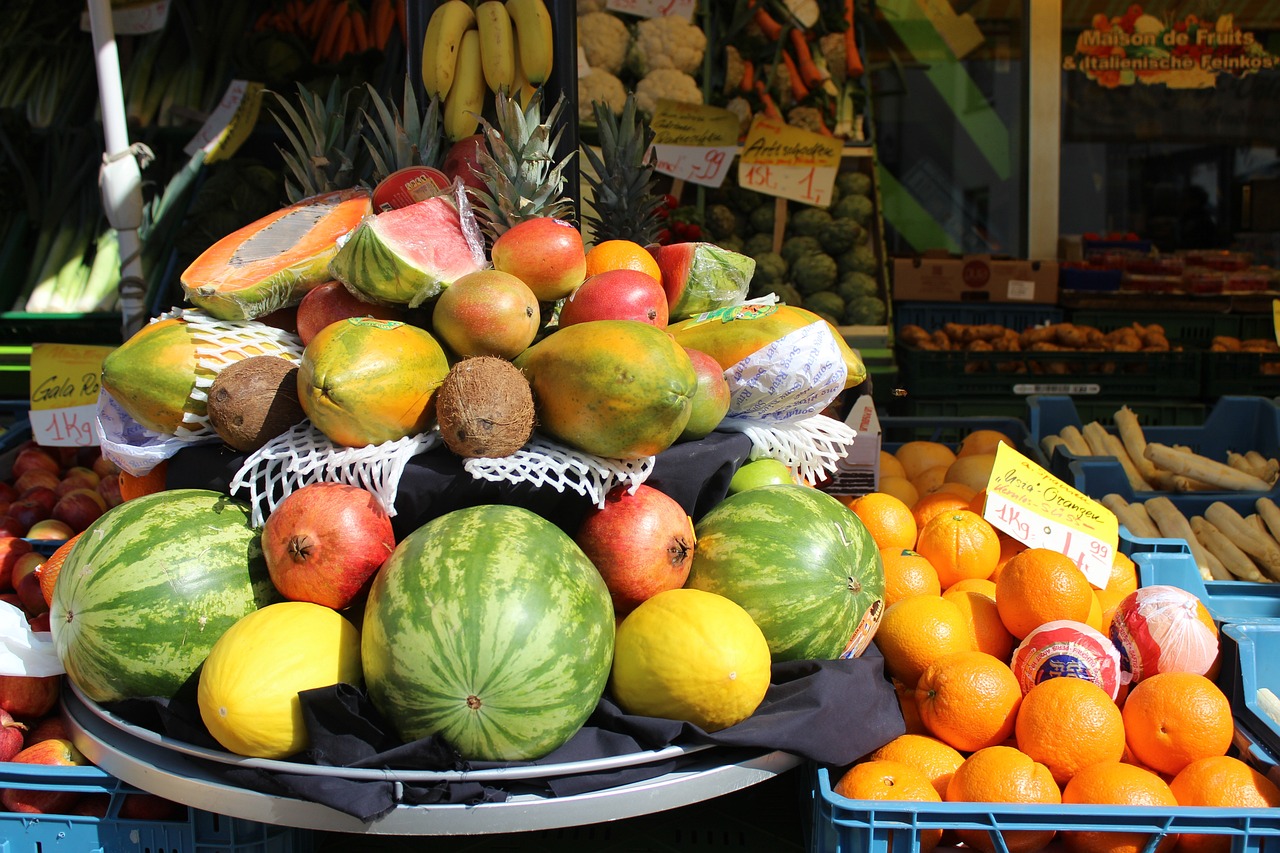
(518, 165)
(624, 203)
(398, 136)
(324, 139)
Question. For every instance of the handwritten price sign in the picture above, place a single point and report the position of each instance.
(64, 393)
(1041, 511)
(693, 142)
(230, 123)
(653, 8)
(787, 162)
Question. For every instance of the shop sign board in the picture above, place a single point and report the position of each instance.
(788, 162)
(694, 142)
(653, 8)
(64, 393)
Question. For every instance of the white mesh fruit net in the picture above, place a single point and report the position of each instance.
(808, 446)
(544, 463)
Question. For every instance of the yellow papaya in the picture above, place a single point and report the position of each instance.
(731, 334)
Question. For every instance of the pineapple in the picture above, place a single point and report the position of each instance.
(624, 204)
(523, 178)
(399, 137)
(324, 138)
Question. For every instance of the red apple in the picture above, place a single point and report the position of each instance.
(324, 541)
(462, 161)
(617, 295)
(109, 489)
(56, 752)
(11, 548)
(91, 805)
(26, 583)
(642, 544)
(84, 472)
(42, 495)
(487, 312)
(11, 598)
(66, 456)
(29, 697)
(10, 526)
(79, 508)
(285, 319)
(36, 477)
(13, 736)
(50, 530)
(40, 622)
(104, 467)
(33, 457)
(27, 512)
(151, 807)
(7, 491)
(332, 301)
(51, 725)
(710, 399)
(545, 253)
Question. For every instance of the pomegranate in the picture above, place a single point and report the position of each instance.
(324, 541)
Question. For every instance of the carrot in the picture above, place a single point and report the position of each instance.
(771, 28)
(345, 42)
(320, 12)
(799, 90)
(809, 70)
(359, 31)
(766, 100)
(324, 51)
(853, 59)
(748, 76)
(401, 21)
(382, 18)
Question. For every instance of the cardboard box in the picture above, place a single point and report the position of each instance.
(974, 278)
(858, 473)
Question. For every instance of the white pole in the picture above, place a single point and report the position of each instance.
(120, 178)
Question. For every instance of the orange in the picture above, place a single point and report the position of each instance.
(47, 573)
(1107, 601)
(959, 489)
(916, 456)
(969, 700)
(153, 481)
(1112, 783)
(916, 631)
(1174, 718)
(927, 506)
(1068, 724)
(973, 471)
(1038, 586)
(1002, 774)
(988, 632)
(906, 697)
(978, 502)
(1124, 575)
(622, 255)
(1094, 619)
(981, 441)
(983, 585)
(900, 488)
(1009, 547)
(1223, 782)
(927, 754)
(887, 518)
(929, 480)
(890, 466)
(960, 544)
(891, 780)
(906, 573)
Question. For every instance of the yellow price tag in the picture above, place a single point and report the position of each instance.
(1275, 318)
(64, 393)
(1041, 511)
(788, 162)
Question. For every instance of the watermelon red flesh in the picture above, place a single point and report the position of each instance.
(489, 627)
(407, 255)
(150, 587)
(701, 277)
(800, 562)
(273, 262)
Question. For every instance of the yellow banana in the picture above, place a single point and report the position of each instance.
(466, 96)
(440, 45)
(497, 44)
(521, 89)
(537, 47)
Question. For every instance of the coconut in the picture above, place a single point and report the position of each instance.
(253, 400)
(484, 407)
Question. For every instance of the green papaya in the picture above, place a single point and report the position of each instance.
(621, 389)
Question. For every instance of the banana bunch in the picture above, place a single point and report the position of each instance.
(468, 52)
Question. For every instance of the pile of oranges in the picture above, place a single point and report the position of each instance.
(960, 596)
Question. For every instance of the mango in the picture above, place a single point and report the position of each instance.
(621, 389)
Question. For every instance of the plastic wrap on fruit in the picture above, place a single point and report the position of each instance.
(23, 651)
(131, 446)
(701, 277)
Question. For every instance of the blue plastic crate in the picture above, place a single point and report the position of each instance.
(1226, 601)
(841, 825)
(1250, 662)
(196, 832)
(1236, 423)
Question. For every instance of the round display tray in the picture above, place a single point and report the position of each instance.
(152, 763)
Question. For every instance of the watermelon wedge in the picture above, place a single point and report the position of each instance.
(272, 263)
(408, 255)
(701, 277)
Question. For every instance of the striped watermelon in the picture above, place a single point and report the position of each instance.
(489, 627)
(800, 562)
(409, 255)
(150, 587)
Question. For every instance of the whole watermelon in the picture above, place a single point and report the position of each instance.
(489, 627)
(150, 587)
(800, 562)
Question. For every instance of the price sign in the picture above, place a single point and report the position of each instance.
(1275, 318)
(134, 19)
(693, 142)
(1041, 511)
(64, 393)
(230, 123)
(653, 8)
(788, 162)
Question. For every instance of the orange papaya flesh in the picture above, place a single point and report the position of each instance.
(152, 375)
